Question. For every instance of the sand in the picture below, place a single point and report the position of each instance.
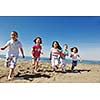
(84, 73)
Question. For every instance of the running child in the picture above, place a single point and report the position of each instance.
(74, 56)
(63, 54)
(36, 51)
(14, 45)
(55, 54)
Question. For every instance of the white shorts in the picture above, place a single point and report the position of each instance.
(11, 62)
(63, 62)
(55, 62)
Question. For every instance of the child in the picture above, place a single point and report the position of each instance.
(74, 55)
(11, 57)
(36, 51)
(63, 55)
(55, 54)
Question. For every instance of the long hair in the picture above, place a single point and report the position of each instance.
(59, 47)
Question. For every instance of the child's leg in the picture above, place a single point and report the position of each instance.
(37, 64)
(11, 71)
(12, 67)
(53, 63)
(60, 65)
(74, 63)
(33, 63)
(7, 62)
(55, 66)
(63, 64)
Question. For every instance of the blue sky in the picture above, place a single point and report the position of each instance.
(83, 32)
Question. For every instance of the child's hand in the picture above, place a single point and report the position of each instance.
(49, 58)
(23, 56)
(42, 53)
(81, 60)
(1, 48)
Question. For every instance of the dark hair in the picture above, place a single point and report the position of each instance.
(15, 33)
(59, 47)
(74, 48)
(38, 38)
(65, 45)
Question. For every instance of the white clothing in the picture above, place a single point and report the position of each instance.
(11, 62)
(74, 56)
(63, 62)
(63, 59)
(55, 52)
(13, 52)
(54, 62)
(13, 49)
(55, 57)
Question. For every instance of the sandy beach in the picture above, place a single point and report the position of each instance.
(83, 73)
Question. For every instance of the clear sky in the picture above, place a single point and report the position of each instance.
(83, 32)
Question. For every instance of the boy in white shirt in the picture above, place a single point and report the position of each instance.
(13, 52)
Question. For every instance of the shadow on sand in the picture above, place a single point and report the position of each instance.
(70, 71)
(28, 76)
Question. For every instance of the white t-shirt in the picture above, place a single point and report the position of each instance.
(74, 56)
(55, 52)
(13, 49)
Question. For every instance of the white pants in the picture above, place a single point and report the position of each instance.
(54, 61)
(11, 62)
(62, 62)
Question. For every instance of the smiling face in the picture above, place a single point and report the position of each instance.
(55, 45)
(38, 41)
(74, 50)
(14, 36)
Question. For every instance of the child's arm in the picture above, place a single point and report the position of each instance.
(71, 55)
(22, 52)
(32, 51)
(79, 58)
(50, 55)
(41, 51)
(3, 48)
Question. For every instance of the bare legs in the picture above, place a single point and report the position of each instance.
(11, 72)
(35, 65)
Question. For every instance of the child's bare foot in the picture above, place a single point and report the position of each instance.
(9, 78)
(63, 70)
(57, 67)
(54, 69)
(35, 71)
